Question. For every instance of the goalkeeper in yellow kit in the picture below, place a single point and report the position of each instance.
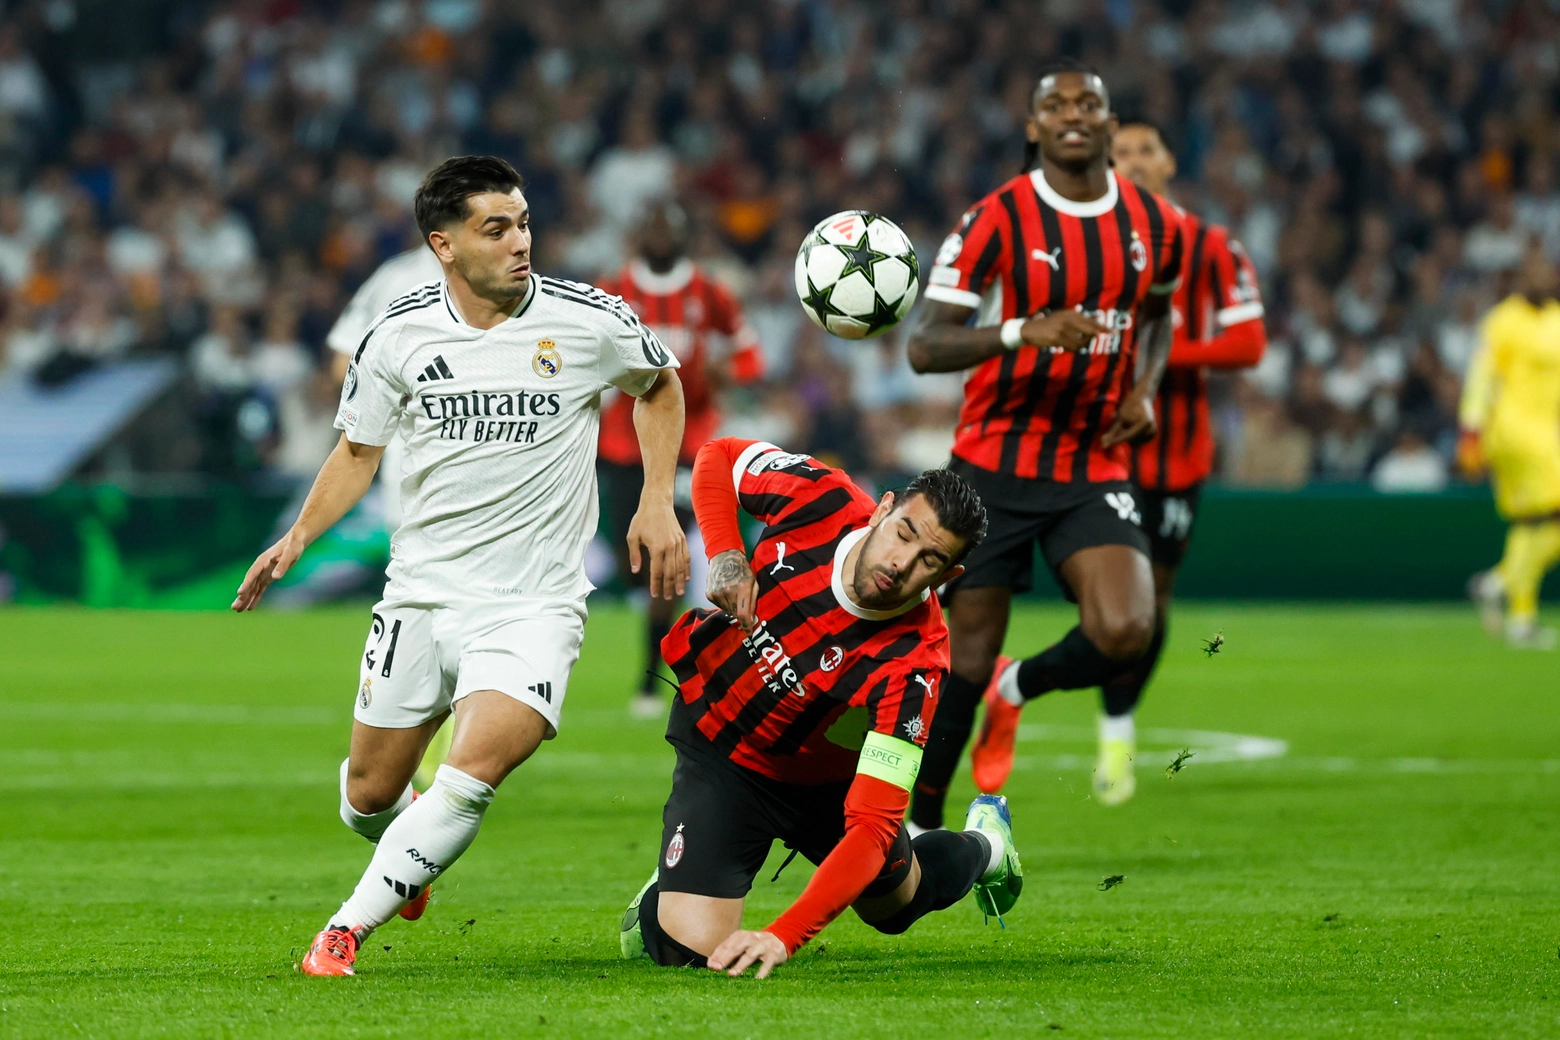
(1510, 419)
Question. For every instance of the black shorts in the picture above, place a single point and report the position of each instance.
(620, 489)
(721, 820)
(1063, 518)
(1168, 518)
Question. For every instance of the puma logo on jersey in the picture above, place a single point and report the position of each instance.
(436, 371)
(924, 681)
(1053, 258)
(780, 563)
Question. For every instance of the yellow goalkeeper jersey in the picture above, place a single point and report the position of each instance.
(1512, 393)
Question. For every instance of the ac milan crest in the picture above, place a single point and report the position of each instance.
(674, 848)
(1138, 253)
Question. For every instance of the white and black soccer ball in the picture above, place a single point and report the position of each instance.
(856, 274)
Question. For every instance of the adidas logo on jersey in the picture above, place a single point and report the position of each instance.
(542, 690)
(436, 371)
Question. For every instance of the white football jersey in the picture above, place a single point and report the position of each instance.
(391, 280)
(498, 488)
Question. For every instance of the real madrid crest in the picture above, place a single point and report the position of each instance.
(1138, 253)
(547, 362)
(366, 693)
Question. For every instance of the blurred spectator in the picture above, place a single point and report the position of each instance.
(1383, 164)
(1411, 466)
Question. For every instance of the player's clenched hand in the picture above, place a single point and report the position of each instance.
(1134, 422)
(271, 565)
(655, 532)
(1067, 329)
(742, 949)
(732, 587)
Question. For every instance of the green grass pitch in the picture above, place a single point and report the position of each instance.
(170, 844)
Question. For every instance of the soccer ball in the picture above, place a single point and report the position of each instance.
(856, 274)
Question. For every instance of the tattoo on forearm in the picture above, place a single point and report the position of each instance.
(728, 571)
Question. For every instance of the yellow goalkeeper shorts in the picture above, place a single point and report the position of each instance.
(1527, 483)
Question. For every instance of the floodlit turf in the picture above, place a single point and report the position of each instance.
(170, 844)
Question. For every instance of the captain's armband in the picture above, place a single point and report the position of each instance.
(890, 760)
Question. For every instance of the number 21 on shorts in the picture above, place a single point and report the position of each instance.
(378, 635)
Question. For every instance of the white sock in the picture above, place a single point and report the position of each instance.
(416, 848)
(1118, 727)
(370, 825)
(998, 850)
(1007, 685)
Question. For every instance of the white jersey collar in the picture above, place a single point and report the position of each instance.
(648, 281)
(520, 308)
(838, 584)
(1098, 207)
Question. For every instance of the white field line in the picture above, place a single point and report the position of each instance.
(1158, 748)
(171, 714)
(106, 770)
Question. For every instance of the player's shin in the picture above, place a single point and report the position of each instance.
(951, 728)
(1120, 696)
(370, 825)
(658, 946)
(419, 846)
(1073, 663)
(951, 863)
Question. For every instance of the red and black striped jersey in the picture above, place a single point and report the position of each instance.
(1023, 250)
(698, 320)
(1219, 293)
(795, 698)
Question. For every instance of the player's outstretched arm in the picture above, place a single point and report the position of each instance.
(1135, 422)
(654, 532)
(945, 342)
(342, 481)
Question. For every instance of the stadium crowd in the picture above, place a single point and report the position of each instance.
(212, 181)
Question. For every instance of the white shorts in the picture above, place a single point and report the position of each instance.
(418, 661)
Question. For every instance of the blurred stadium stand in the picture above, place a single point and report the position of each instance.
(207, 182)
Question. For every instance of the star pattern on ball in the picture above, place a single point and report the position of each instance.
(882, 315)
(860, 257)
(818, 300)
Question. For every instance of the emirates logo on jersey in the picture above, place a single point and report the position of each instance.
(831, 658)
(774, 664)
(1138, 254)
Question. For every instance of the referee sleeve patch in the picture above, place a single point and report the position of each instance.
(890, 760)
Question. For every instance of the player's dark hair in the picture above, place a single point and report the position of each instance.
(1055, 67)
(441, 199)
(1137, 119)
(956, 503)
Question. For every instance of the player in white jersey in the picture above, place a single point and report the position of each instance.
(493, 377)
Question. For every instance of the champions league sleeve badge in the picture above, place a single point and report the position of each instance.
(547, 362)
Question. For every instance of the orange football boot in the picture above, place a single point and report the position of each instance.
(991, 759)
(332, 953)
(413, 910)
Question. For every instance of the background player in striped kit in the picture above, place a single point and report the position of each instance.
(1218, 324)
(700, 321)
(1067, 272)
(804, 703)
